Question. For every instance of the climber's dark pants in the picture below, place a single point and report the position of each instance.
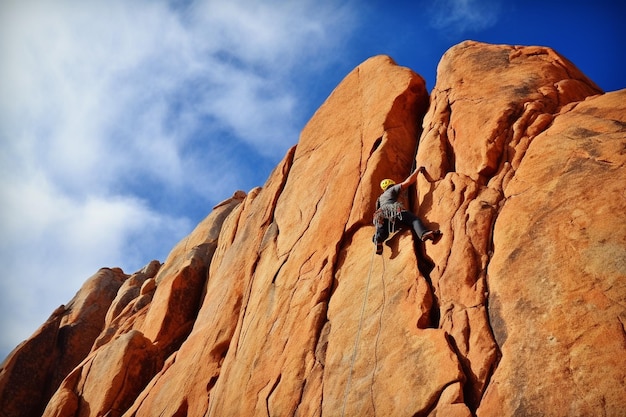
(406, 218)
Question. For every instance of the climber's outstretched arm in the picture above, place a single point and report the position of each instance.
(411, 179)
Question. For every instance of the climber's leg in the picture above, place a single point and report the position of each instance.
(413, 221)
(382, 233)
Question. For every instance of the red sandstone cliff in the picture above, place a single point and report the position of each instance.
(276, 305)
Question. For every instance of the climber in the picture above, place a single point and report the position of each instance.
(389, 211)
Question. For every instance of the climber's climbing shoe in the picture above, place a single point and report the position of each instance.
(431, 235)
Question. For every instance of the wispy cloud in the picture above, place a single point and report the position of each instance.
(116, 115)
(462, 16)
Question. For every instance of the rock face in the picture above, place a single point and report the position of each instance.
(557, 278)
(36, 368)
(277, 305)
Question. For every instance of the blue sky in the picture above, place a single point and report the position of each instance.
(122, 123)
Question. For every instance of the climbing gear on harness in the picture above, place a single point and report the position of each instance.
(391, 212)
(386, 183)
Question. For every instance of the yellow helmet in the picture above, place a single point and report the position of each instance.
(386, 183)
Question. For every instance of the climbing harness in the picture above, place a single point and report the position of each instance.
(391, 212)
(358, 333)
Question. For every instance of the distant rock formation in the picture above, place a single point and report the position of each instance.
(277, 305)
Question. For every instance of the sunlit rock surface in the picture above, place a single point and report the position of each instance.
(277, 305)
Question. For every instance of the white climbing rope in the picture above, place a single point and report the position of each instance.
(380, 326)
(358, 335)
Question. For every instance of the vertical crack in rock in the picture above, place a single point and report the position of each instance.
(375, 146)
(425, 265)
(450, 155)
(271, 232)
(526, 113)
(516, 127)
(245, 301)
(270, 394)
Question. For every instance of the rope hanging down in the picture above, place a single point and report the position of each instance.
(367, 287)
(358, 334)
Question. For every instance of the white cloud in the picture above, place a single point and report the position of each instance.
(460, 16)
(52, 243)
(110, 108)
